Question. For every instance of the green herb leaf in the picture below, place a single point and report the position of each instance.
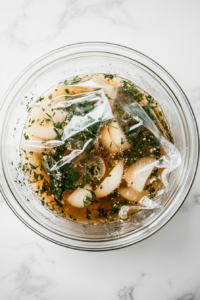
(26, 136)
(110, 76)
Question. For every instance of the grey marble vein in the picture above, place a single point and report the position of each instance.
(189, 296)
(192, 201)
(126, 293)
(197, 199)
(27, 282)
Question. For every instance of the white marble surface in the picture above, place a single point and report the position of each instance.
(166, 266)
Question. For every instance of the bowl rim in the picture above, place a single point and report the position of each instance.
(191, 111)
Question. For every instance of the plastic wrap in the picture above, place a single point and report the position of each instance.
(169, 162)
(89, 108)
(70, 117)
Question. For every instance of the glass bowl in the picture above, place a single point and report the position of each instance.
(73, 60)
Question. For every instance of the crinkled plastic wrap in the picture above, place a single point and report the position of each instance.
(170, 161)
(78, 112)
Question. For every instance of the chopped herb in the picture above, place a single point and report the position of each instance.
(102, 212)
(154, 173)
(40, 99)
(108, 96)
(109, 165)
(26, 136)
(116, 207)
(49, 115)
(151, 190)
(67, 91)
(110, 76)
(33, 167)
(88, 213)
(58, 135)
(112, 126)
(75, 80)
(87, 201)
(58, 125)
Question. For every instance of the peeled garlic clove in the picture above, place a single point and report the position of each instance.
(27, 132)
(58, 92)
(40, 113)
(130, 194)
(42, 122)
(107, 142)
(108, 85)
(78, 197)
(135, 176)
(94, 165)
(54, 91)
(31, 159)
(111, 182)
(29, 144)
(44, 130)
(118, 136)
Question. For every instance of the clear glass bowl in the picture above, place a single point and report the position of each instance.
(74, 60)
